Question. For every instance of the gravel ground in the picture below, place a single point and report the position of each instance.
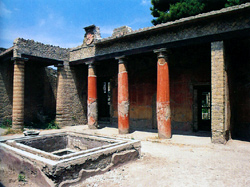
(181, 165)
(181, 161)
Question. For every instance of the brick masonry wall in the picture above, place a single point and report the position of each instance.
(71, 96)
(6, 90)
(218, 92)
(81, 52)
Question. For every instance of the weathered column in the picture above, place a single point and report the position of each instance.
(92, 98)
(18, 94)
(60, 94)
(218, 79)
(123, 97)
(163, 95)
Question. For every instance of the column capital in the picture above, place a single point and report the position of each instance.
(59, 65)
(91, 66)
(161, 53)
(19, 60)
(91, 69)
(90, 62)
(121, 59)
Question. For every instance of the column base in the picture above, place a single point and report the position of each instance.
(218, 137)
(123, 131)
(17, 127)
(164, 136)
(93, 126)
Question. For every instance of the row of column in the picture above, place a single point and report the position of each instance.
(163, 96)
(219, 99)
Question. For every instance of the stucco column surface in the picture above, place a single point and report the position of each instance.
(123, 97)
(92, 98)
(163, 95)
(18, 95)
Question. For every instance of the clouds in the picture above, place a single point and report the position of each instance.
(4, 11)
(145, 2)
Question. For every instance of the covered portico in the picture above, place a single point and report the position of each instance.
(211, 30)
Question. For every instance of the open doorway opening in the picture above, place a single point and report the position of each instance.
(202, 108)
(104, 96)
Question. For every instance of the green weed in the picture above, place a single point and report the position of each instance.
(21, 177)
(53, 125)
(7, 123)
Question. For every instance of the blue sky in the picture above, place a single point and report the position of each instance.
(61, 22)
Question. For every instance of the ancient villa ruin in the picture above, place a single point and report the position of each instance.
(188, 75)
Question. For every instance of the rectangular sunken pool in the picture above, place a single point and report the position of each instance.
(66, 158)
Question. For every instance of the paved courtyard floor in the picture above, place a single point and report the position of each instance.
(184, 160)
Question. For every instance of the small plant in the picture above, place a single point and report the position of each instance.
(53, 125)
(7, 123)
(21, 177)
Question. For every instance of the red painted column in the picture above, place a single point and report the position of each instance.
(123, 97)
(163, 95)
(92, 98)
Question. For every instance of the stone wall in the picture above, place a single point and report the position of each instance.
(71, 95)
(6, 90)
(37, 49)
(81, 52)
(2, 50)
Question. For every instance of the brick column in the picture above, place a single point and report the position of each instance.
(18, 94)
(60, 94)
(92, 98)
(123, 97)
(163, 95)
(218, 92)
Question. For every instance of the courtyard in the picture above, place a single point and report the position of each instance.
(184, 160)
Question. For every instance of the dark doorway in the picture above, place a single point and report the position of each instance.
(204, 108)
(103, 87)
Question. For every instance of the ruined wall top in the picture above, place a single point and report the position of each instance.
(32, 48)
(178, 22)
(124, 39)
(92, 34)
(121, 31)
(87, 49)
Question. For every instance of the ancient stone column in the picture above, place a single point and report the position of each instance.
(163, 95)
(123, 97)
(18, 94)
(60, 94)
(218, 79)
(92, 98)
